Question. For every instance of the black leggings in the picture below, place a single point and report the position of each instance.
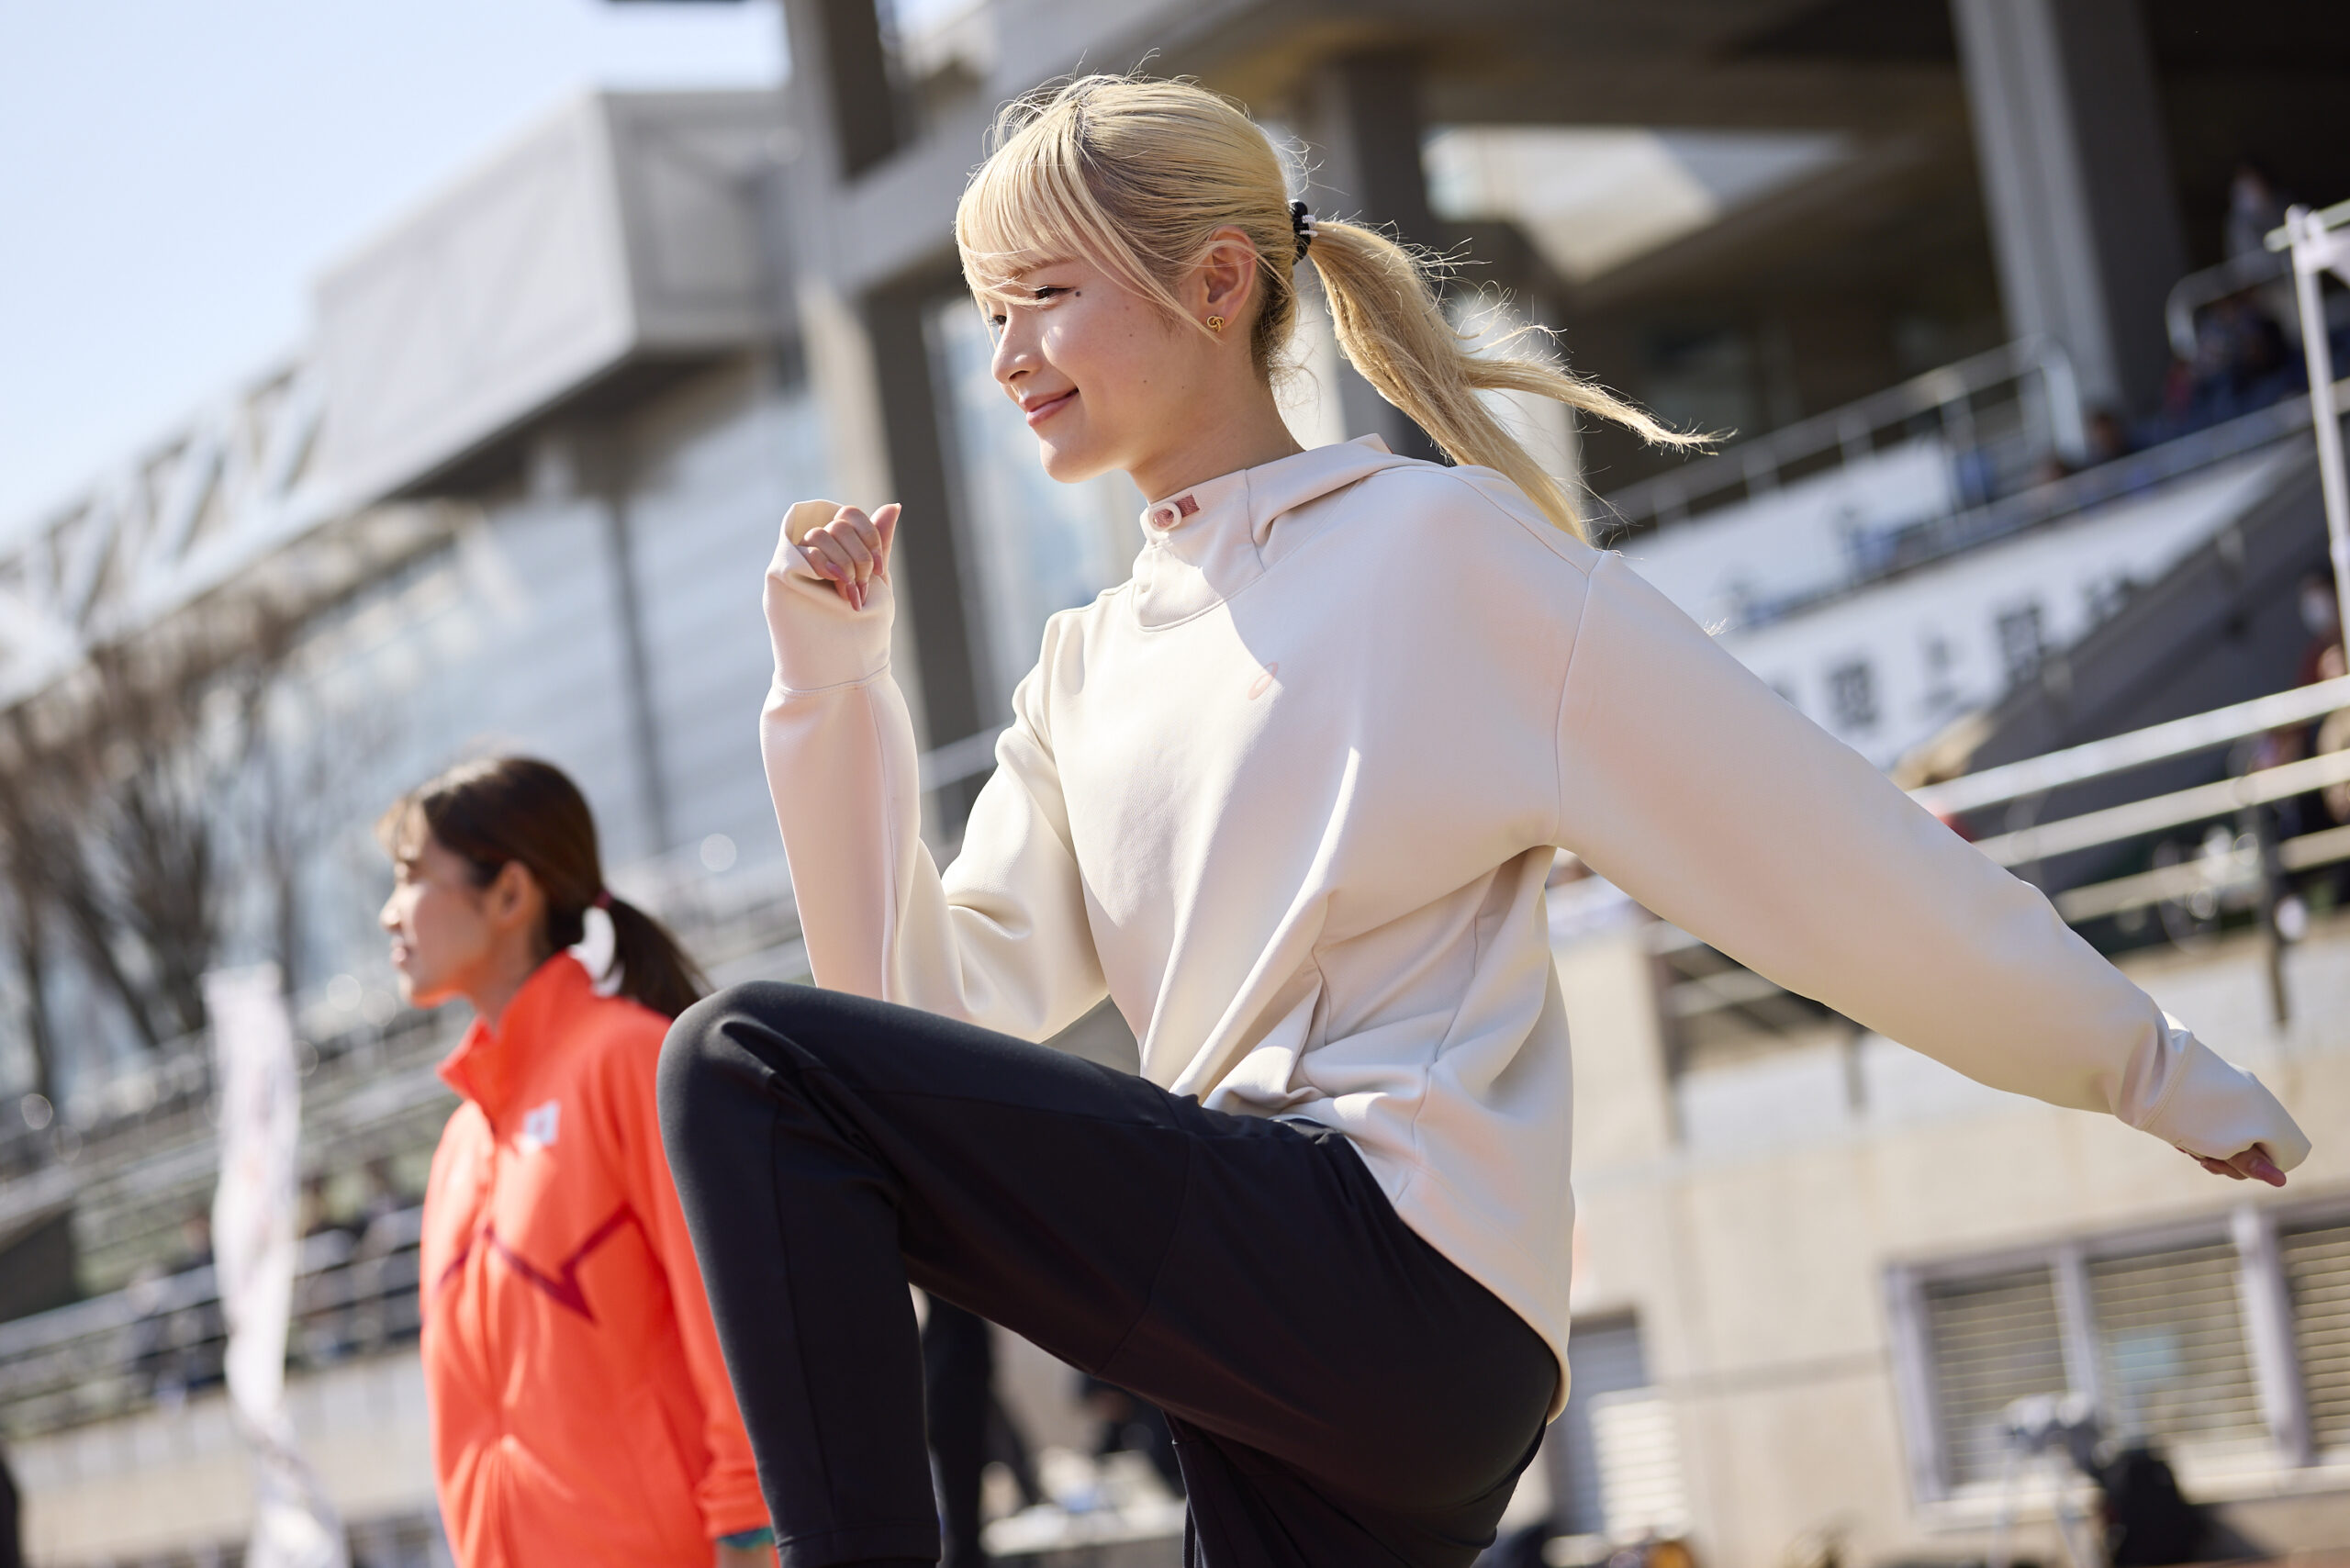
(1340, 1393)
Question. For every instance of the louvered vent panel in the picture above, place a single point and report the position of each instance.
(1602, 1358)
(1994, 1341)
(2317, 1271)
(1640, 1465)
(2170, 1333)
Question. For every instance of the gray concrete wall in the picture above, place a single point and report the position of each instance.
(1754, 1248)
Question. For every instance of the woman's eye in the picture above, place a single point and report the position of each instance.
(1044, 294)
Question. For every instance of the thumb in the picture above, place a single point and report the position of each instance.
(885, 522)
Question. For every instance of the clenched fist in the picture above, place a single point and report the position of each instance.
(842, 545)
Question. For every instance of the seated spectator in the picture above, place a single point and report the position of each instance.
(2255, 207)
(2108, 438)
(2243, 361)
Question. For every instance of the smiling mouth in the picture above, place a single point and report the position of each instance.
(1037, 413)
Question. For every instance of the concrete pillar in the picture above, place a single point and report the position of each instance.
(1362, 119)
(930, 586)
(636, 663)
(849, 88)
(1624, 1111)
(867, 364)
(2077, 179)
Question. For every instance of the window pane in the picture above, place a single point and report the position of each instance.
(2170, 1332)
(1034, 545)
(1851, 696)
(2317, 1271)
(1995, 1340)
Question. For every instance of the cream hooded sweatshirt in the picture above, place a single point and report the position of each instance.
(1289, 795)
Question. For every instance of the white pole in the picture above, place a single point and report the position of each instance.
(2313, 249)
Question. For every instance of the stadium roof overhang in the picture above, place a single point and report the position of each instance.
(615, 245)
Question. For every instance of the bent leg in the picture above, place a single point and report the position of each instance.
(1247, 1276)
(820, 1143)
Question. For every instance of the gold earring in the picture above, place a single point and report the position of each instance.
(1216, 323)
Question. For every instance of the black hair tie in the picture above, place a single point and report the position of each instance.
(1301, 224)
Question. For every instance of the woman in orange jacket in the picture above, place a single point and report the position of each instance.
(579, 1405)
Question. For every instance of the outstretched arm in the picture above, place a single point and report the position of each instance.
(1691, 786)
(1002, 941)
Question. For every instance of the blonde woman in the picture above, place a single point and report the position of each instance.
(1288, 796)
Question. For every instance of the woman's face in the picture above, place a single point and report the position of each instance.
(1103, 377)
(440, 921)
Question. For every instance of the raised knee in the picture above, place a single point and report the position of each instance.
(704, 1057)
(738, 1028)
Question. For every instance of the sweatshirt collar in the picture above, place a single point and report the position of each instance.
(1204, 544)
(490, 1066)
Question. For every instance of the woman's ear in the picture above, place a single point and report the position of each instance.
(1227, 274)
(513, 898)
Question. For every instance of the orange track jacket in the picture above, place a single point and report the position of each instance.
(580, 1408)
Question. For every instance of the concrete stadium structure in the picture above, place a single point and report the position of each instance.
(519, 487)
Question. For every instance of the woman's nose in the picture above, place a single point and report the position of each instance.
(1013, 358)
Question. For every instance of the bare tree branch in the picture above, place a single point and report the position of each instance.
(117, 797)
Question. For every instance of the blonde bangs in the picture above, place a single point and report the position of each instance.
(1030, 205)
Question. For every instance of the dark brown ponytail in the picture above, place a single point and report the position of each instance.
(517, 809)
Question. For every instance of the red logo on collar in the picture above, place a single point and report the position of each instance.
(1166, 514)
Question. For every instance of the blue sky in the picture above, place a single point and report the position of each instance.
(174, 173)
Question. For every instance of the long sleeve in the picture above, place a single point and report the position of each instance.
(1002, 939)
(1689, 784)
(727, 1491)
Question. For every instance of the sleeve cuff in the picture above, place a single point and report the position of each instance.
(818, 641)
(2214, 1109)
(748, 1539)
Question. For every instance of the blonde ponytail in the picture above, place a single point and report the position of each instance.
(1392, 329)
(1137, 175)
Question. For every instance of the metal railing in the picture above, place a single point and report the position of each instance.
(1872, 555)
(1999, 413)
(2317, 243)
(2199, 291)
(2119, 753)
(158, 1340)
(1875, 554)
(2237, 861)
(136, 1158)
(1888, 552)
